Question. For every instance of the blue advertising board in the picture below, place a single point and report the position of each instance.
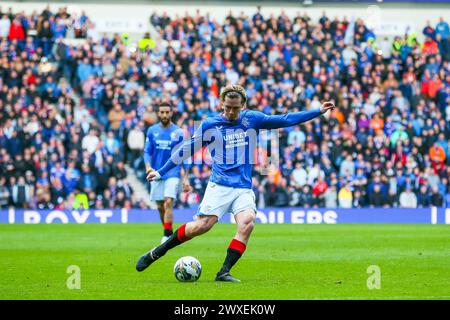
(290, 215)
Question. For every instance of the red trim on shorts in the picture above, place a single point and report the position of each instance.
(181, 233)
(237, 245)
(167, 225)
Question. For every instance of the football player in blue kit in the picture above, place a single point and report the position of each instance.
(162, 138)
(230, 136)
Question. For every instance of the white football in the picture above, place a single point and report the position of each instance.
(187, 269)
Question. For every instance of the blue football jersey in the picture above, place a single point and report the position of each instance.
(159, 145)
(232, 144)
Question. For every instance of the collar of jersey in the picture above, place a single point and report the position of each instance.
(165, 128)
(231, 121)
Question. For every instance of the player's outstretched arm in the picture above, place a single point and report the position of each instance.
(293, 118)
(183, 151)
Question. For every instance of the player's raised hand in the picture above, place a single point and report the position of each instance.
(153, 175)
(327, 105)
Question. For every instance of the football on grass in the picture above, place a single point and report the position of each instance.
(187, 269)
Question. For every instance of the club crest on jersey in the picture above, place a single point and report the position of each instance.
(245, 122)
(173, 135)
(156, 134)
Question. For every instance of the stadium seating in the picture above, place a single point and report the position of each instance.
(71, 116)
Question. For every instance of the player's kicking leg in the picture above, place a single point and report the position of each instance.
(245, 221)
(184, 233)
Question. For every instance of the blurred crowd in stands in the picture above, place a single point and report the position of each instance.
(72, 116)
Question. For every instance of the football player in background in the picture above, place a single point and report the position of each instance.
(161, 140)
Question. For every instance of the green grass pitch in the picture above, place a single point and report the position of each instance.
(281, 262)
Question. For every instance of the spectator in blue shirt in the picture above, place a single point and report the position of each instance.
(84, 70)
(443, 28)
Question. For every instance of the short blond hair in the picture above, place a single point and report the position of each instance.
(232, 91)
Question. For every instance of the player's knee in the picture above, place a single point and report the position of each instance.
(246, 227)
(250, 226)
(206, 224)
(168, 202)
